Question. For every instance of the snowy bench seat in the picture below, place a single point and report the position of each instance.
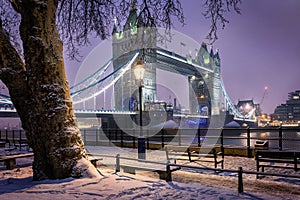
(163, 171)
(10, 160)
(276, 159)
(195, 154)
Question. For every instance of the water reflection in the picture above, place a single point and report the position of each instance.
(289, 139)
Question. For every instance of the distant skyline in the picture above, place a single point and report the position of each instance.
(259, 48)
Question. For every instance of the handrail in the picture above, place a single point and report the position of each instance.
(167, 164)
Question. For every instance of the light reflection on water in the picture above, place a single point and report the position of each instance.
(272, 137)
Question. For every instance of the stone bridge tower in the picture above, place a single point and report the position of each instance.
(204, 86)
(134, 37)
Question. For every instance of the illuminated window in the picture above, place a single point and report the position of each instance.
(206, 59)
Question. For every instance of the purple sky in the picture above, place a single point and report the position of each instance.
(259, 48)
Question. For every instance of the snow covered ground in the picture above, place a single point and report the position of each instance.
(18, 184)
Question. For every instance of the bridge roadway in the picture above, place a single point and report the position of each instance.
(92, 113)
(8, 113)
(11, 113)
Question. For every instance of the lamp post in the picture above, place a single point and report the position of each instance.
(139, 70)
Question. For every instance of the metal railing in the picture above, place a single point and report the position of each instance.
(15, 138)
(243, 138)
(168, 170)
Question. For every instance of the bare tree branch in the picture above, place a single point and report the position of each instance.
(216, 10)
(79, 20)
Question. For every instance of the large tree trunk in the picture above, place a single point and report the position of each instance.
(42, 97)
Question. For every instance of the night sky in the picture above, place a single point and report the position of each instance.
(259, 48)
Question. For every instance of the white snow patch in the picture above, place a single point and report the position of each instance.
(17, 184)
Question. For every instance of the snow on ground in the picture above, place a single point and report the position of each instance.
(18, 184)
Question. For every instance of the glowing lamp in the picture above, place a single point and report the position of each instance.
(139, 70)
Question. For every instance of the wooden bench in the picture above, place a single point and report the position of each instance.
(10, 160)
(272, 158)
(164, 172)
(195, 153)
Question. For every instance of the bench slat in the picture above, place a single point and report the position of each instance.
(194, 153)
(2, 158)
(10, 160)
(271, 156)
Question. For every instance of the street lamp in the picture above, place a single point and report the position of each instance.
(139, 70)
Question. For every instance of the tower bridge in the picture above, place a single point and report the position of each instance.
(206, 92)
(166, 60)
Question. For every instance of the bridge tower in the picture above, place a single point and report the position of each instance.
(134, 37)
(204, 86)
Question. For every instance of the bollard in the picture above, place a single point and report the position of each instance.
(240, 180)
(118, 168)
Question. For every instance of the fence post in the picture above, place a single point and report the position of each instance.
(122, 138)
(169, 172)
(198, 135)
(109, 137)
(248, 143)
(222, 143)
(13, 136)
(148, 140)
(162, 139)
(179, 137)
(6, 138)
(280, 138)
(118, 163)
(97, 137)
(20, 140)
(240, 180)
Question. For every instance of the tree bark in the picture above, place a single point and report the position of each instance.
(40, 92)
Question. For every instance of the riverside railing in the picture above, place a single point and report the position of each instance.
(14, 138)
(167, 168)
(244, 138)
(282, 138)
